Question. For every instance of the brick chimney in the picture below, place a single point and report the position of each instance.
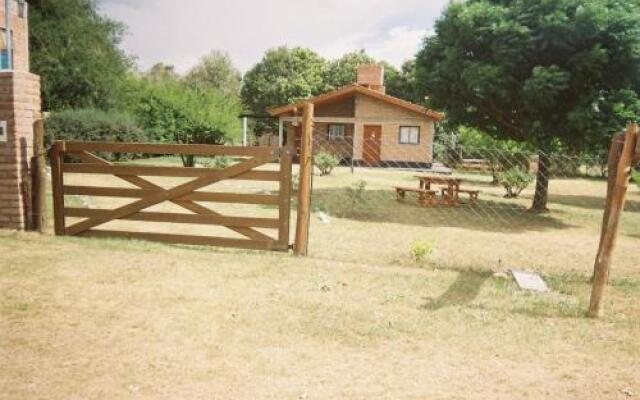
(372, 77)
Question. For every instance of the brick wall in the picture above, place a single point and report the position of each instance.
(20, 107)
(370, 111)
(20, 29)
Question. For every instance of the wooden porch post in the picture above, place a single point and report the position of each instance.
(304, 188)
(618, 182)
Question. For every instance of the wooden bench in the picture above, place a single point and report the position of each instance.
(453, 198)
(425, 196)
(473, 195)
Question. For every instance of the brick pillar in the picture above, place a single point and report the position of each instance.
(19, 107)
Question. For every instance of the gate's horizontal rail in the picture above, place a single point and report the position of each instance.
(238, 222)
(188, 239)
(242, 198)
(150, 148)
(163, 171)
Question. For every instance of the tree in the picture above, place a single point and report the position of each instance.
(75, 51)
(175, 113)
(160, 72)
(535, 70)
(283, 76)
(343, 71)
(401, 83)
(216, 71)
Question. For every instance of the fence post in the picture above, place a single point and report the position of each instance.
(56, 185)
(618, 183)
(284, 213)
(304, 188)
(39, 181)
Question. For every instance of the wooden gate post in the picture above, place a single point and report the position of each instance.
(304, 188)
(39, 181)
(617, 189)
(57, 183)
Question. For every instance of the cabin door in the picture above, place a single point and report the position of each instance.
(371, 143)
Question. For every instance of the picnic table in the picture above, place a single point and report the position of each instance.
(450, 193)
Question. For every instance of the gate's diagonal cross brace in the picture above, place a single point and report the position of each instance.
(186, 204)
(167, 195)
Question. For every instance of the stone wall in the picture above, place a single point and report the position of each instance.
(20, 107)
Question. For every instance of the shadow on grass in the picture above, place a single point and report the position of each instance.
(589, 202)
(382, 206)
(462, 292)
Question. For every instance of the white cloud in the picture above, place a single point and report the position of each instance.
(180, 32)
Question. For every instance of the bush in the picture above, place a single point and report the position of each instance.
(217, 162)
(90, 125)
(326, 162)
(178, 114)
(514, 180)
(421, 250)
(357, 199)
(635, 176)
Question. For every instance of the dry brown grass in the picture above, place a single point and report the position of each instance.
(82, 319)
(111, 319)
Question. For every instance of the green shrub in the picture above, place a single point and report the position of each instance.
(421, 250)
(90, 125)
(179, 114)
(356, 197)
(326, 162)
(217, 162)
(514, 180)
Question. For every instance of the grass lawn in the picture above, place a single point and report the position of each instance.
(355, 320)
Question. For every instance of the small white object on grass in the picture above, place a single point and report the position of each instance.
(324, 217)
(529, 281)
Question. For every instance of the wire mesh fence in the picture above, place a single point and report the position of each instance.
(376, 196)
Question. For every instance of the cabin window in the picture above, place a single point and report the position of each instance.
(409, 135)
(4, 51)
(336, 132)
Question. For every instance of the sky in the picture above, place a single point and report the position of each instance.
(179, 32)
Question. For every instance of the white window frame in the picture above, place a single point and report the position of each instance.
(332, 135)
(409, 135)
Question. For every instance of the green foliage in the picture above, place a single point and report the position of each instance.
(174, 113)
(421, 250)
(326, 162)
(217, 162)
(92, 125)
(514, 180)
(356, 198)
(343, 71)
(75, 50)
(215, 71)
(501, 155)
(402, 83)
(283, 76)
(536, 71)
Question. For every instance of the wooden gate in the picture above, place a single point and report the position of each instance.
(81, 158)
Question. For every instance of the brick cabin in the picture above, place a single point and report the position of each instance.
(361, 123)
(19, 108)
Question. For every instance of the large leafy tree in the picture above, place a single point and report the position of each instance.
(215, 71)
(551, 73)
(75, 51)
(283, 76)
(402, 83)
(343, 71)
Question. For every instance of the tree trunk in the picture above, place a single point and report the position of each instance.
(542, 183)
(188, 160)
